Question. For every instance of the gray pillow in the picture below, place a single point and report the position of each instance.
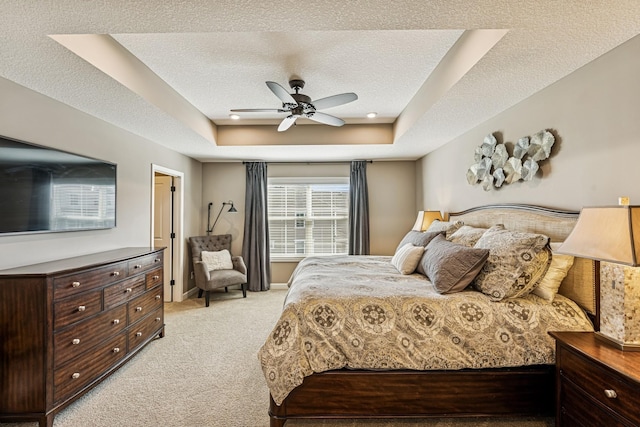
(451, 266)
(417, 238)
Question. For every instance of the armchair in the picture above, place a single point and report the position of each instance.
(208, 280)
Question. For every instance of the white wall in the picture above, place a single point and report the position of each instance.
(595, 113)
(392, 207)
(32, 117)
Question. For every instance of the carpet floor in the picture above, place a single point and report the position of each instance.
(205, 372)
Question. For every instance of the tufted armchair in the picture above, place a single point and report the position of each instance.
(208, 280)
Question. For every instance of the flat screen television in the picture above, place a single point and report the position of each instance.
(47, 190)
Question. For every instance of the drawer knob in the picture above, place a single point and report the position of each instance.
(75, 341)
(137, 266)
(157, 296)
(115, 273)
(116, 349)
(157, 319)
(116, 321)
(75, 375)
(138, 308)
(75, 284)
(156, 277)
(128, 290)
(82, 308)
(138, 334)
(156, 260)
(611, 394)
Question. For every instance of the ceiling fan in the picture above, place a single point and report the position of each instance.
(300, 105)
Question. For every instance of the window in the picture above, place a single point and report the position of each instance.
(308, 216)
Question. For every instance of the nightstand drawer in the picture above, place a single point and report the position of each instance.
(579, 410)
(604, 386)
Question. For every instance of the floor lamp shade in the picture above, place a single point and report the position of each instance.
(611, 234)
(425, 218)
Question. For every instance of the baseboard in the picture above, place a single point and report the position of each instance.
(279, 286)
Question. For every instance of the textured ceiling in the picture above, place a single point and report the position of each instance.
(217, 56)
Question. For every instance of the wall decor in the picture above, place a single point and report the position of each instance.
(494, 166)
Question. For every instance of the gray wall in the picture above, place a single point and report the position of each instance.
(32, 117)
(595, 113)
(391, 201)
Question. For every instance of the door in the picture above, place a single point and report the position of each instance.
(163, 226)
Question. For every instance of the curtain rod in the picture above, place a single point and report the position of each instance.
(310, 163)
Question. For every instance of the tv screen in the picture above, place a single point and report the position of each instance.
(48, 190)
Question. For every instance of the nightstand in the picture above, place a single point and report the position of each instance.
(596, 384)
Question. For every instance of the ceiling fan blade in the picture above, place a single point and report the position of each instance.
(325, 119)
(286, 123)
(281, 93)
(334, 101)
(259, 110)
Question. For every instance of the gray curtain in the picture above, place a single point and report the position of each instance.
(358, 209)
(255, 245)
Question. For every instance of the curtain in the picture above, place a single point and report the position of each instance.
(358, 209)
(255, 244)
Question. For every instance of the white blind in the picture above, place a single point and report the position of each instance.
(308, 216)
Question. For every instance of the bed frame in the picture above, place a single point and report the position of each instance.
(522, 391)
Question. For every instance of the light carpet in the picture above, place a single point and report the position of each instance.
(205, 372)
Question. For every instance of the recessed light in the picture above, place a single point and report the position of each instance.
(372, 115)
(234, 116)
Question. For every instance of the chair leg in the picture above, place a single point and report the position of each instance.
(199, 293)
(206, 299)
(225, 289)
(244, 290)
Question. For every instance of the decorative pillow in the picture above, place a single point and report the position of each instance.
(449, 227)
(467, 235)
(218, 260)
(407, 258)
(417, 238)
(451, 266)
(550, 283)
(517, 261)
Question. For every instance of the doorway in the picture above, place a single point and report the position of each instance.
(167, 225)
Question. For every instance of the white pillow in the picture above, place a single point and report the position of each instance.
(550, 283)
(406, 258)
(218, 260)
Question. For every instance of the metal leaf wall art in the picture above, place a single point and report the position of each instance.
(494, 167)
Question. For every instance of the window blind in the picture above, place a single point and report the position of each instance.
(308, 216)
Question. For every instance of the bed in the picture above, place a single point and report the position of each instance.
(330, 356)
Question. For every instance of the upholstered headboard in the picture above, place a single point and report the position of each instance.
(581, 283)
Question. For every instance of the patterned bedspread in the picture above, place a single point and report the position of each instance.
(358, 312)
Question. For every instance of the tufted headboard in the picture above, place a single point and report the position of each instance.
(582, 282)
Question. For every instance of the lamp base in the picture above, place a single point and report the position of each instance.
(620, 345)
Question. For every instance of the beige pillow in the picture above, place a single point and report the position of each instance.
(517, 262)
(550, 283)
(218, 260)
(407, 258)
(467, 235)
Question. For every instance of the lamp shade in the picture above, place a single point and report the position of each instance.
(425, 218)
(607, 233)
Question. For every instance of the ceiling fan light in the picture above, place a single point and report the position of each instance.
(372, 115)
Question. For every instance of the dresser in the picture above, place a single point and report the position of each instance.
(66, 325)
(596, 384)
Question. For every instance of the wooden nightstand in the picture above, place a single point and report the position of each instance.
(596, 384)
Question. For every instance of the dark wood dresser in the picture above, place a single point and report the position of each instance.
(66, 325)
(597, 384)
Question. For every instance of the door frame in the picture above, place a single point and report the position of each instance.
(178, 221)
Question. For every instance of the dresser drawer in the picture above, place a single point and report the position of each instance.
(74, 309)
(145, 304)
(144, 263)
(76, 340)
(145, 329)
(82, 371)
(65, 286)
(154, 277)
(597, 382)
(123, 291)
